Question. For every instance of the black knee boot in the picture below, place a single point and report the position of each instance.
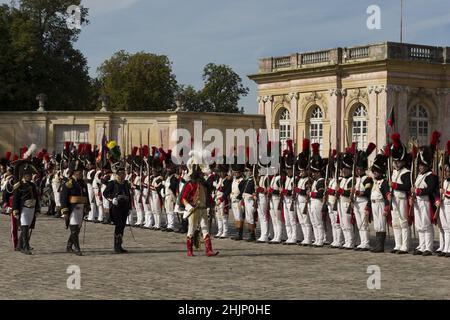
(382, 240)
(75, 231)
(25, 238)
(118, 247)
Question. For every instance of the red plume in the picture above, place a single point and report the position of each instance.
(213, 153)
(247, 153)
(146, 151)
(352, 149)
(66, 145)
(153, 150)
(81, 148)
(387, 150)
(435, 138)
(305, 145)
(8, 155)
(448, 147)
(396, 140)
(333, 154)
(370, 148)
(163, 154)
(47, 158)
(134, 151)
(315, 148)
(16, 157)
(290, 145)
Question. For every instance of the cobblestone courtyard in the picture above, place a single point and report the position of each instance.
(157, 268)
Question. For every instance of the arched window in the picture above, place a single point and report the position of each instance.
(285, 128)
(359, 126)
(419, 124)
(316, 126)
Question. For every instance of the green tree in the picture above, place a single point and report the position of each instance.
(223, 88)
(141, 81)
(221, 92)
(37, 56)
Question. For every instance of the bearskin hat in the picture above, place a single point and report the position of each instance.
(316, 163)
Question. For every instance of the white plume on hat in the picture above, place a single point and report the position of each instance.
(30, 151)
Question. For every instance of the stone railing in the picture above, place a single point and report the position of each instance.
(358, 54)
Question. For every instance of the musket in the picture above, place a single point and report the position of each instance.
(294, 184)
(441, 181)
(413, 176)
(390, 183)
(352, 194)
(327, 171)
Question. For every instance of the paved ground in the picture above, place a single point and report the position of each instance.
(157, 268)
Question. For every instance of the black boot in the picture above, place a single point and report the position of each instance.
(239, 235)
(377, 248)
(24, 235)
(184, 226)
(382, 241)
(70, 243)
(76, 241)
(118, 244)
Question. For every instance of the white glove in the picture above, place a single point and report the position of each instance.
(115, 201)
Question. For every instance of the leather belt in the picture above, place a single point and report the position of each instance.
(78, 200)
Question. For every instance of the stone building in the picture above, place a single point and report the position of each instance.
(51, 129)
(347, 94)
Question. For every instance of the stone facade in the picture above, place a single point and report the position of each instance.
(381, 77)
(50, 129)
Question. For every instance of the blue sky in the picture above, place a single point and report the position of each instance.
(238, 32)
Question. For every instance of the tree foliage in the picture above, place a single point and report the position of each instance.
(141, 81)
(222, 91)
(37, 56)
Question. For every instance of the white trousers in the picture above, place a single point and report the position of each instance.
(156, 208)
(263, 217)
(27, 216)
(99, 203)
(402, 230)
(346, 225)
(93, 213)
(290, 220)
(249, 210)
(444, 217)
(362, 222)
(304, 220)
(238, 210)
(275, 216)
(169, 206)
(315, 215)
(76, 216)
(222, 220)
(423, 224)
(335, 227)
(199, 215)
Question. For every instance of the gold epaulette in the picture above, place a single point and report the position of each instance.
(16, 186)
(69, 184)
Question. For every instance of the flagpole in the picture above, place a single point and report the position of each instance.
(401, 21)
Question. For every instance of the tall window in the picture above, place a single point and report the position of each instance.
(316, 127)
(285, 128)
(359, 126)
(419, 124)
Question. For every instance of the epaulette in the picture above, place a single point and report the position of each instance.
(16, 186)
(69, 184)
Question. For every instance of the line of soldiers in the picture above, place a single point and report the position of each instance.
(309, 201)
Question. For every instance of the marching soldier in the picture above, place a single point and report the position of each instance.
(118, 193)
(183, 179)
(248, 196)
(362, 192)
(316, 196)
(7, 187)
(156, 187)
(344, 193)
(96, 189)
(275, 204)
(57, 185)
(170, 190)
(401, 187)
(444, 213)
(331, 200)
(105, 178)
(425, 187)
(75, 204)
(263, 204)
(237, 189)
(301, 192)
(93, 214)
(25, 204)
(222, 201)
(290, 218)
(379, 200)
(196, 200)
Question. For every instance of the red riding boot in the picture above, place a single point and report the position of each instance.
(190, 247)
(208, 247)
